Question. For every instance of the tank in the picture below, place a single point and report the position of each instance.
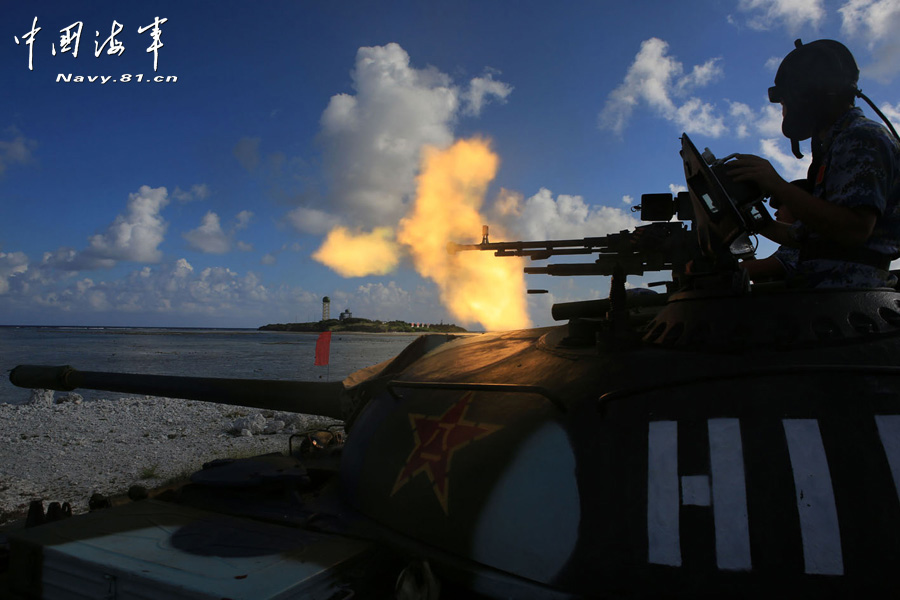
(715, 439)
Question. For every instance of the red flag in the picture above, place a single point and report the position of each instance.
(323, 348)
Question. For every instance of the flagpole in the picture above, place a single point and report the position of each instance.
(323, 350)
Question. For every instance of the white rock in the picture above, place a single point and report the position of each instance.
(256, 423)
(70, 397)
(41, 398)
(273, 427)
(84, 456)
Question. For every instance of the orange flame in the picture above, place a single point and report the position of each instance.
(475, 286)
(359, 254)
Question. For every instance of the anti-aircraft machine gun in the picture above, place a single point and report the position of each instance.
(724, 213)
(740, 441)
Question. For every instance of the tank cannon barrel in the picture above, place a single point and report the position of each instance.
(309, 397)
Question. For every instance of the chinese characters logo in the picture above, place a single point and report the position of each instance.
(70, 40)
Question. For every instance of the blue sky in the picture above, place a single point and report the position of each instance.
(200, 201)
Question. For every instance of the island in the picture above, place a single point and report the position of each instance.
(355, 324)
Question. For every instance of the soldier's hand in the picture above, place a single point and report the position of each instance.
(748, 167)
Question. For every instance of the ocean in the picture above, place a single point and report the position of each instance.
(233, 353)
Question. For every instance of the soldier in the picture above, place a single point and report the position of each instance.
(848, 228)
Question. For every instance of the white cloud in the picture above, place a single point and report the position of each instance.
(765, 122)
(892, 113)
(627, 199)
(695, 116)
(743, 114)
(246, 151)
(311, 220)
(178, 290)
(701, 75)
(199, 191)
(136, 235)
(380, 294)
(383, 302)
(133, 236)
(543, 217)
(210, 238)
(773, 62)
(244, 246)
(18, 150)
(242, 220)
(792, 14)
(788, 165)
(656, 79)
(768, 124)
(481, 90)
(374, 137)
(270, 258)
(12, 264)
(871, 18)
(876, 23)
(178, 293)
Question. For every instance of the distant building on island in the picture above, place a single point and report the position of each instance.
(346, 315)
(326, 308)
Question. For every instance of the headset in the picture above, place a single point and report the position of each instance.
(810, 80)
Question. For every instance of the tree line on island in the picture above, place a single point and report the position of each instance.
(355, 324)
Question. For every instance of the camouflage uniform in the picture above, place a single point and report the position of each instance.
(788, 257)
(859, 167)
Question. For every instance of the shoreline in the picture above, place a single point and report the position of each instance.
(67, 452)
(406, 333)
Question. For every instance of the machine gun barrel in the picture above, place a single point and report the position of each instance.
(568, 270)
(536, 250)
(308, 397)
(657, 246)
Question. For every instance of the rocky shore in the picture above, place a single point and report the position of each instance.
(60, 448)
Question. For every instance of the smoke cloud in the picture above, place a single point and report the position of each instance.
(359, 254)
(474, 286)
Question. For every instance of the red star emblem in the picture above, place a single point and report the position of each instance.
(437, 439)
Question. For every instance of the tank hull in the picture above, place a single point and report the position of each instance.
(732, 471)
(716, 456)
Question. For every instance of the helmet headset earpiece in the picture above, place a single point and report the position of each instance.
(811, 81)
(814, 82)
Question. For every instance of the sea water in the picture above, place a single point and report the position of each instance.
(232, 353)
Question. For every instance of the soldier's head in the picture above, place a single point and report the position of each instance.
(815, 83)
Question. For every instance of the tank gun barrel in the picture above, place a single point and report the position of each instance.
(309, 397)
